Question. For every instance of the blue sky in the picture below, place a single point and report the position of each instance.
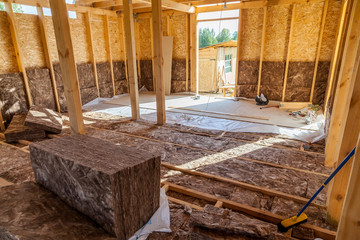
(232, 25)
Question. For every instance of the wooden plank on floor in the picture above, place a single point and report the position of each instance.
(251, 211)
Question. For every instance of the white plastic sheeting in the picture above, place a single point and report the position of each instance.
(159, 222)
(191, 120)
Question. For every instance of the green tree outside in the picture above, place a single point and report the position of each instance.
(207, 37)
(223, 36)
(16, 7)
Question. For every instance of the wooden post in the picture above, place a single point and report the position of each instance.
(108, 50)
(131, 58)
(349, 228)
(158, 62)
(193, 51)
(187, 53)
(18, 50)
(48, 58)
(343, 87)
(288, 52)
(91, 50)
(68, 65)
(262, 50)
(238, 50)
(349, 118)
(326, 4)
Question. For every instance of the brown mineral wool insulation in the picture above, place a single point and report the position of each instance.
(285, 180)
(15, 164)
(302, 160)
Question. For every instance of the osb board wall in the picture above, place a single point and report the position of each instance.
(305, 37)
(98, 31)
(144, 38)
(29, 40)
(178, 31)
(115, 41)
(277, 32)
(32, 47)
(79, 38)
(7, 53)
(307, 23)
(251, 34)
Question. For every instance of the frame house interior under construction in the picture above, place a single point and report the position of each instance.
(222, 181)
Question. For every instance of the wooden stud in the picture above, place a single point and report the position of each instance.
(288, 52)
(343, 87)
(91, 50)
(349, 119)
(336, 57)
(131, 58)
(181, 202)
(187, 53)
(252, 211)
(262, 50)
(108, 50)
(158, 62)
(18, 50)
(238, 49)
(123, 48)
(349, 222)
(321, 33)
(49, 61)
(168, 25)
(138, 51)
(152, 53)
(193, 52)
(68, 65)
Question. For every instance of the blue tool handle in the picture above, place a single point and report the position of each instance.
(328, 180)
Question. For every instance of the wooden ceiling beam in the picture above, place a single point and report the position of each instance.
(135, 6)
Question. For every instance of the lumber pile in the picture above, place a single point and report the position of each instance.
(116, 186)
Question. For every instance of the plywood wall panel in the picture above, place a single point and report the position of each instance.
(8, 62)
(178, 31)
(251, 34)
(277, 31)
(51, 39)
(307, 23)
(79, 38)
(29, 40)
(97, 26)
(115, 41)
(331, 23)
(144, 38)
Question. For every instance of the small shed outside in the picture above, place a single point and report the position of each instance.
(217, 66)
